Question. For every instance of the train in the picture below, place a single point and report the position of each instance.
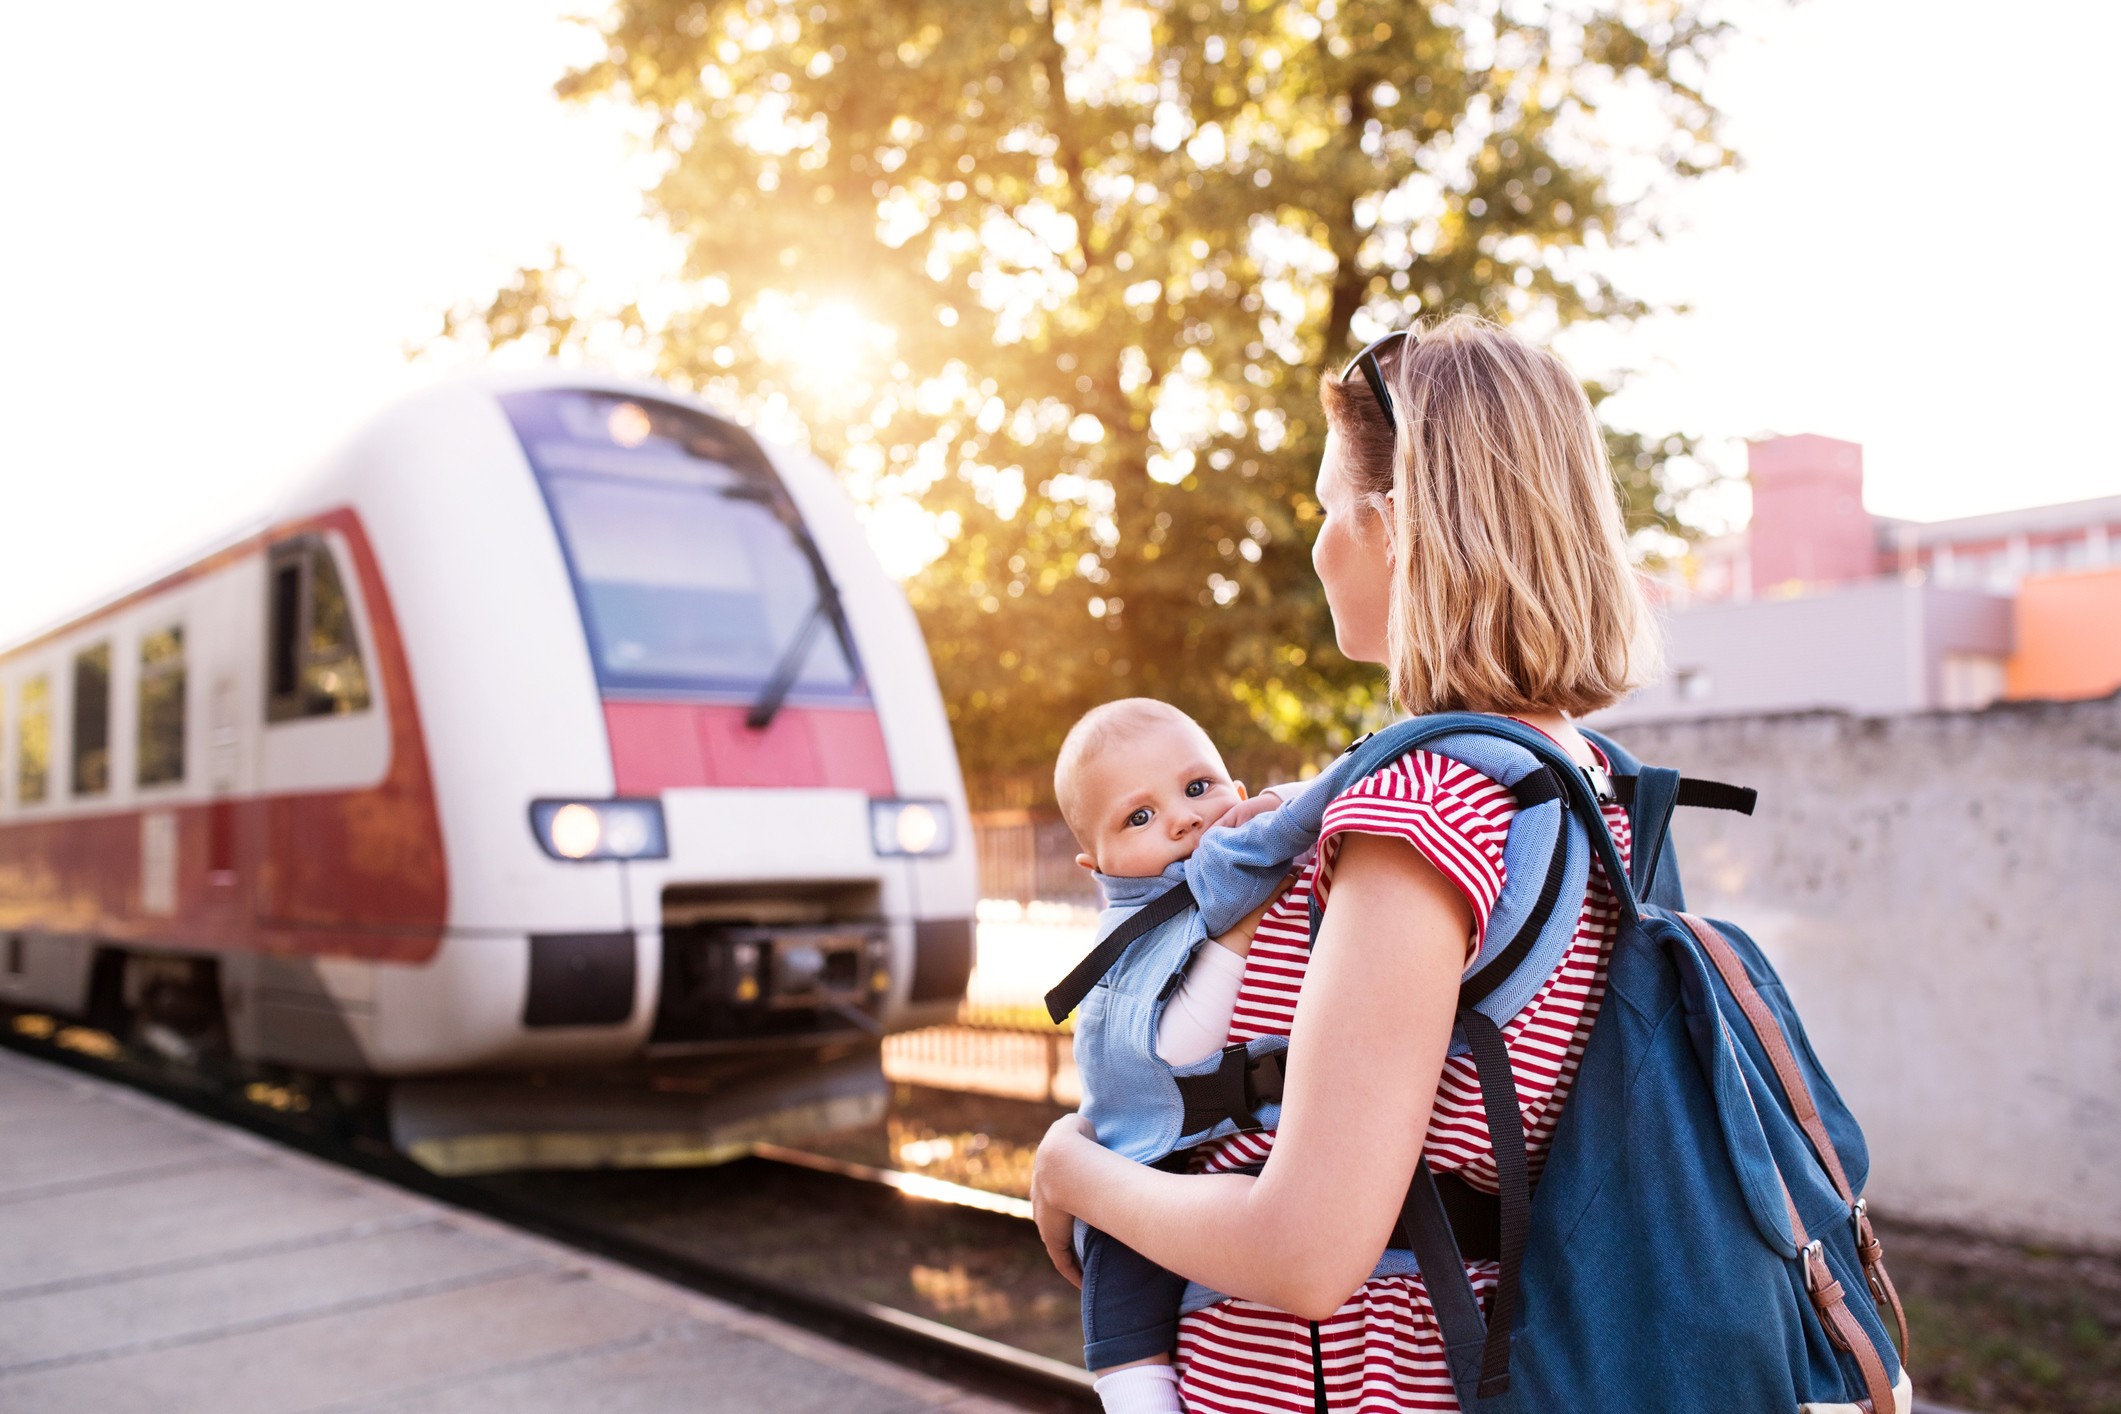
(556, 765)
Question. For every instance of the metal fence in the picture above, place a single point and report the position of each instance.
(1028, 856)
(1003, 1043)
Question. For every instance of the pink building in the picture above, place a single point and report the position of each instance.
(1809, 527)
(1819, 603)
(1810, 531)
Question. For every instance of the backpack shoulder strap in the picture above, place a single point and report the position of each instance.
(1651, 794)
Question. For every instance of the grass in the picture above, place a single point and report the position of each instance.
(2007, 1328)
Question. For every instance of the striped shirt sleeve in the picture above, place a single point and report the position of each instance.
(1457, 818)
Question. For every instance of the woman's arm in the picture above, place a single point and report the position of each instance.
(1365, 1055)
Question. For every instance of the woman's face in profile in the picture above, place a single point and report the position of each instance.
(1354, 562)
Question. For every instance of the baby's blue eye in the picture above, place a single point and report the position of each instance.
(1139, 818)
(1197, 789)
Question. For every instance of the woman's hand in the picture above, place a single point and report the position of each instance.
(1056, 1226)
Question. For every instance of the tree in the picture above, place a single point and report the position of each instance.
(1099, 252)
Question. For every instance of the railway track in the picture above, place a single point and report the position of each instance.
(280, 1114)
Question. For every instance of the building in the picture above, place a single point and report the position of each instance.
(1820, 604)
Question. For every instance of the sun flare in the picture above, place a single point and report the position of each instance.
(827, 346)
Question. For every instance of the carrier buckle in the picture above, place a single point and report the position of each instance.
(1235, 1075)
(1230, 1091)
(1601, 784)
(1263, 1080)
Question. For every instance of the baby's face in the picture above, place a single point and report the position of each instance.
(1149, 797)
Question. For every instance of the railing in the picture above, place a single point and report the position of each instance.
(1003, 1043)
(1028, 856)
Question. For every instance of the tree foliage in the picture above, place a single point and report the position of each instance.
(1064, 273)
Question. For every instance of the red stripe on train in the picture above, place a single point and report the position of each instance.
(659, 746)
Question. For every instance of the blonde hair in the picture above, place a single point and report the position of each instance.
(1512, 590)
(1093, 732)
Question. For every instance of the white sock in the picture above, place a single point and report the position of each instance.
(1140, 1389)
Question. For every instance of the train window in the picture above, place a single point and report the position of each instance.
(284, 677)
(33, 741)
(314, 666)
(92, 720)
(692, 568)
(162, 706)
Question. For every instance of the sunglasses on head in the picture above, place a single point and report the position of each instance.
(1367, 362)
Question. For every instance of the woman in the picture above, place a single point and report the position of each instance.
(1472, 544)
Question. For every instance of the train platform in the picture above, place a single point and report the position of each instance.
(153, 1261)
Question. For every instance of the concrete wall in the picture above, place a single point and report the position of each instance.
(1942, 893)
(1873, 648)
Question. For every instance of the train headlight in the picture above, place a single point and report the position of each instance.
(600, 829)
(909, 826)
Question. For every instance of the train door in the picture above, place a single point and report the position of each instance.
(227, 881)
(325, 748)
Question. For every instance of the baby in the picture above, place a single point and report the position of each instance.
(1140, 784)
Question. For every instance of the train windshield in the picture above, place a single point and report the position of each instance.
(691, 565)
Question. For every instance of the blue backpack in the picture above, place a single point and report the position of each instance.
(1698, 1224)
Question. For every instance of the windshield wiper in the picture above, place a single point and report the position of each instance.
(769, 701)
(826, 609)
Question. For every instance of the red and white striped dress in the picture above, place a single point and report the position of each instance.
(1381, 1350)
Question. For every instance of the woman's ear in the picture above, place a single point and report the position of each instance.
(1392, 529)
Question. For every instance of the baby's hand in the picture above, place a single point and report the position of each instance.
(1239, 938)
(1245, 809)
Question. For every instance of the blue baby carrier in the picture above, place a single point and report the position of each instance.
(1698, 1223)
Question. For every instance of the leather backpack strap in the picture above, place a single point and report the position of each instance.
(1777, 1046)
(1844, 1330)
(1828, 1298)
(1883, 1292)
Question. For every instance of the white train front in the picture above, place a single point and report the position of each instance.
(557, 752)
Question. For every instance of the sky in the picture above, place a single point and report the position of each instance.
(225, 222)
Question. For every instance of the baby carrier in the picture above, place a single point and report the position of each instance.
(1698, 1223)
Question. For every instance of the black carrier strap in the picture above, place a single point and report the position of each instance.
(1069, 994)
(1513, 1174)
(1476, 1218)
(1536, 788)
(1698, 794)
(1477, 1348)
(1428, 1232)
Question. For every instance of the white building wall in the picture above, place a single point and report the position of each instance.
(1873, 648)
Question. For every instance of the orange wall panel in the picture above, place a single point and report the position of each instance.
(2068, 634)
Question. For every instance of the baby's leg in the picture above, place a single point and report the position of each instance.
(1130, 1324)
(1150, 1387)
